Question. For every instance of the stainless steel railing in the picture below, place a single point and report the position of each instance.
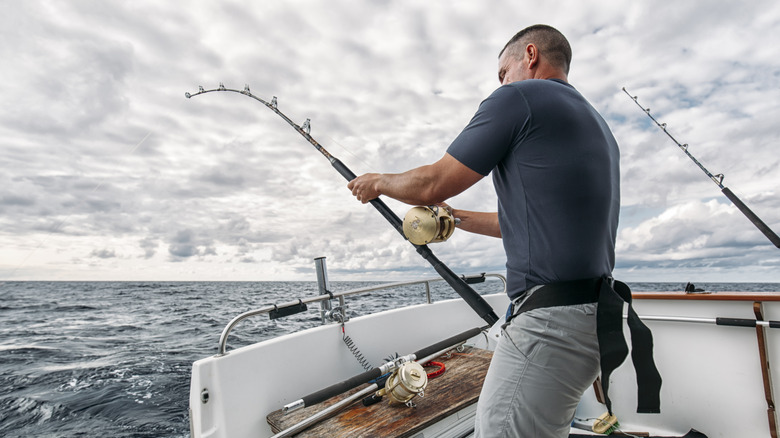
(340, 296)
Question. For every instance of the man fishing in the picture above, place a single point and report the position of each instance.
(556, 173)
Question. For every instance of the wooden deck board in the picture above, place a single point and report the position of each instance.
(446, 394)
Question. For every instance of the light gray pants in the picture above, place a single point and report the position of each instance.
(542, 365)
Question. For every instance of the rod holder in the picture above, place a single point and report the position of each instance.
(324, 287)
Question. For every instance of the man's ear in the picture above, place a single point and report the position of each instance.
(532, 53)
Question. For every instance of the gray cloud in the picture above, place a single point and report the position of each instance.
(149, 246)
(185, 244)
(15, 202)
(102, 150)
(104, 253)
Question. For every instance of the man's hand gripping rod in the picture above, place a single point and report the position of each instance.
(483, 309)
(717, 179)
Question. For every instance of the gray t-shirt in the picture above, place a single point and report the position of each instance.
(556, 172)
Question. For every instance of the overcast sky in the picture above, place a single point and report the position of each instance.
(110, 173)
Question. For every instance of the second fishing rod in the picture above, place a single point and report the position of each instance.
(717, 179)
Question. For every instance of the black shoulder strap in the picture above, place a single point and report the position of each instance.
(613, 348)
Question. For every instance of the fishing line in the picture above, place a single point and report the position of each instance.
(64, 220)
(357, 158)
(717, 179)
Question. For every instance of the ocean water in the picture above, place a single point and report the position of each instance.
(114, 358)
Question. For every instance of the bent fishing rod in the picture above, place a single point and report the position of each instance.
(477, 303)
(717, 179)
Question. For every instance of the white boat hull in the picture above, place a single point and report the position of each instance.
(250, 382)
(712, 375)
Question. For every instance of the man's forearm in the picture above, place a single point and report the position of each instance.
(424, 185)
(415, 187)
(478, 222)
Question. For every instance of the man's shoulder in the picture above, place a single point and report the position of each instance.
(531, 88)
(545, 92)
(507, 94)
(545, 85)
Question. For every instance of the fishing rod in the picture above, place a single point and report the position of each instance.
(477, 303)
(717, 179)
(731, 322)
(426, 354)
(367, 391)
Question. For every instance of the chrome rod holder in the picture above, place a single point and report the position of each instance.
(324, 288)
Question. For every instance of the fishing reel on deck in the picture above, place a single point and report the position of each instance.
(407, 381)
(429, 224)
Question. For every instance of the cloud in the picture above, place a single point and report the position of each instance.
(104, 253)
(103, 153)
(185, 244)
(13, 200)
(708, 238)
(149, 245)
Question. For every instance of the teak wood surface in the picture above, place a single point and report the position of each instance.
(445, 395)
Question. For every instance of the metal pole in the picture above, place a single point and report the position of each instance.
(324, 286)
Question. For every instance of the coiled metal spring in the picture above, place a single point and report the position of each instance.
(355, 351)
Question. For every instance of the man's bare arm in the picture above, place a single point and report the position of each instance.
(425, 185)
(478, 222)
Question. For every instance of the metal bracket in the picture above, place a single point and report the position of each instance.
(763, 354)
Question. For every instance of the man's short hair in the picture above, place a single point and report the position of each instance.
(549, 40)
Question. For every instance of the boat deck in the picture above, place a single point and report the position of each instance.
(457, 388)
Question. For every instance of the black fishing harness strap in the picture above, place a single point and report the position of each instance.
(610, 295)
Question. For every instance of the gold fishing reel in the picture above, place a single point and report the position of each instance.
(431, 224)
(407, 381)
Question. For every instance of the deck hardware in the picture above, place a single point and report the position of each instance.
(223, 338)
(691, 288)
(337, 314)
(763, 354)
(281, 312)
(204, 396)
(343, 309)
(474, 279)
(323, 285)
(355, 350)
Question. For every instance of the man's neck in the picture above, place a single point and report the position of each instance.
(550, 73)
